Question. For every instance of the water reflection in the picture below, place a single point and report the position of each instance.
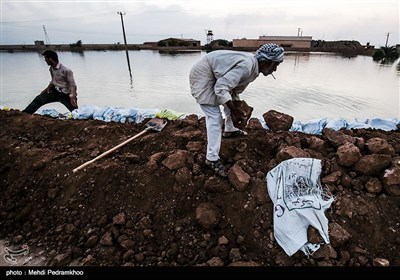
(179, 52)
(131, 81)
(80, 52)
(307, 85)
(297, 58)
(395, 65)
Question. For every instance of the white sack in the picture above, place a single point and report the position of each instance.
(299, 201)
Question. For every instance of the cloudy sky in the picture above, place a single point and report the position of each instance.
(98, 22)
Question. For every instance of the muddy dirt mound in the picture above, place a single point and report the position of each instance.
(153, 202)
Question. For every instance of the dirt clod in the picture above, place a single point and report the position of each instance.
(154, 202)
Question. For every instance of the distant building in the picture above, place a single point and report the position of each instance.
(287, 42)
(210, 36)
(176, 42)
(39, 43)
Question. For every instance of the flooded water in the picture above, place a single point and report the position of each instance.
(307, 86)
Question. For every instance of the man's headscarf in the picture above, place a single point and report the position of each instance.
(270, 51)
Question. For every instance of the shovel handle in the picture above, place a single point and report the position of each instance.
(109, 151)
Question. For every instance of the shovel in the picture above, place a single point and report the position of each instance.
(153, 124)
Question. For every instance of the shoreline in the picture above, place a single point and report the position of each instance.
(138, 115)
(121, 47)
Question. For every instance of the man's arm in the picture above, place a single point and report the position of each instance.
(237, 114)
(47, 89)
(72, 88)
(225, 84)
(73, 96)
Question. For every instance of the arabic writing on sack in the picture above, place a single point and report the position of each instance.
(300, 193)
(299, 189)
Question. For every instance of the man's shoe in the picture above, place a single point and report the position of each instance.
(233, 134)
(217, 166)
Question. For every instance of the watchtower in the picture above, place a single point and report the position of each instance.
(210, 37)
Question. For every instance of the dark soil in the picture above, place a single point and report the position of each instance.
(137, 206)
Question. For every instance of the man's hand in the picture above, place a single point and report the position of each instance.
(240, 113)
(74, 101)
(239, 118)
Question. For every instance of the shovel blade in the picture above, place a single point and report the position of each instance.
(156, 124)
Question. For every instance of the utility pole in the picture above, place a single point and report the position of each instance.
(126, 46)
(387, 39)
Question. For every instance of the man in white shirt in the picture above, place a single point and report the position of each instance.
(62, 87)
(218, 79)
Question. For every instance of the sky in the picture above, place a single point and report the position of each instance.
(66, 22)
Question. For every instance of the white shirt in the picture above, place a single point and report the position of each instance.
(63, 79)
(221, 75)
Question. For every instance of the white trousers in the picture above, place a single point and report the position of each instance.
(214, 123)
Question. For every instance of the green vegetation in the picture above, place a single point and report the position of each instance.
(221, 42)
(386, 54)
(173, 43)
(216, 44)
